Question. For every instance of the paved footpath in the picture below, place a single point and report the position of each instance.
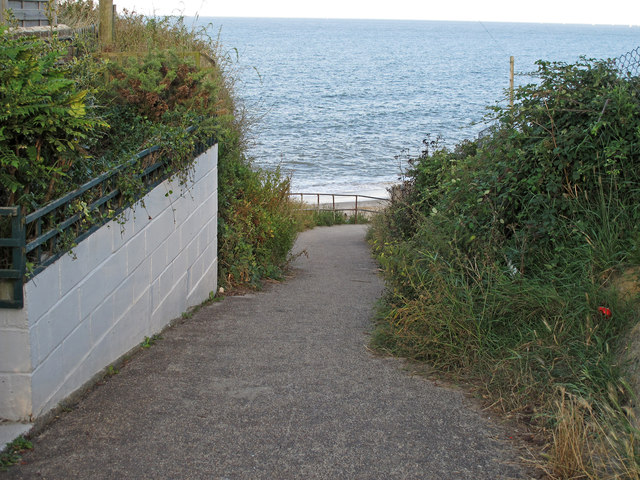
(277, 384)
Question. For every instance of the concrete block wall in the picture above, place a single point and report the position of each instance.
(123, 283)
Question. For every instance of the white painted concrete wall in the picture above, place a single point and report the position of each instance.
(127, 282)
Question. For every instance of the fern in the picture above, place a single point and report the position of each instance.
(44, 119)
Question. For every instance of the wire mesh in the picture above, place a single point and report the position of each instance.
(629, 63)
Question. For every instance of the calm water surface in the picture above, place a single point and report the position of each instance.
(340, 100)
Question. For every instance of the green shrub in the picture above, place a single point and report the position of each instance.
(162, 86)
(45, 121)
(498, 255)
(56, 108)
(257, 223)
(12, 454)
(326, 218)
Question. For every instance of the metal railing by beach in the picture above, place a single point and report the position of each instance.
(39, 238)
(356, 203)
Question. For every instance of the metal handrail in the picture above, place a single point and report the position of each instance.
(36, 237)
(16, 243)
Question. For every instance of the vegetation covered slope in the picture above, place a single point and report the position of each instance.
(502, 258)
(73, 110)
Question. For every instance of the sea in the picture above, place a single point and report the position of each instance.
(339, 105)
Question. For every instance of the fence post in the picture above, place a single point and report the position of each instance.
(15, 274)
(3, 7)
(51, 11)
(356, 220)
(333, 201)
(105, 26)
(511, 74)
(18, 256)
(113, 23)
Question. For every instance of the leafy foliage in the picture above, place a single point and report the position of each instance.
(12, 454)
(257, 222)
(161, 84)
(57, 103)
(44, 121)
(498, 255)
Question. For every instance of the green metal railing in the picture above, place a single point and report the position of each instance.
(11, 276)
(39, 238)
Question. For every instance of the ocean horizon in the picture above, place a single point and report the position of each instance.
(339, 104)
(222, 18)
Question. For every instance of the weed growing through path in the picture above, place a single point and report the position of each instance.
(150, 341)
(12, 454)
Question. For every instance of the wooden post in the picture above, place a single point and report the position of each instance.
(113, 23)
(52, 12)
(3, 7)
(511, 69)
(105, 26)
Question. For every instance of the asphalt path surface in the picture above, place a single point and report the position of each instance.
(277, 384)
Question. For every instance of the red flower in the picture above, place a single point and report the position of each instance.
(605, 311)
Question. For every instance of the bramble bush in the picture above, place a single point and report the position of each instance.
(498, 255)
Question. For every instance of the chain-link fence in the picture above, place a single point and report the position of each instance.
(629, 63)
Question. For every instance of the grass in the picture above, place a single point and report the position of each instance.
(12, 455)
(522, 278)
(584, 445)
(148, 342)
(326, 218)
(512, 264)
(537, 347)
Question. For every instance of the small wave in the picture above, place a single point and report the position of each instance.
(342, 100)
